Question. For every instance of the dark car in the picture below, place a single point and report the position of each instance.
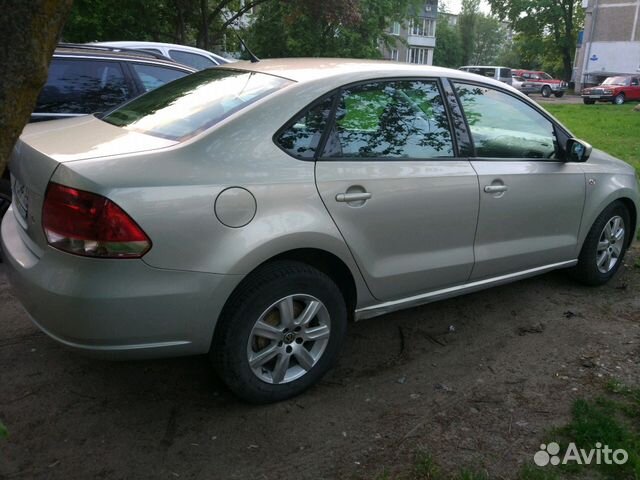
(616, 90)
(90, 79)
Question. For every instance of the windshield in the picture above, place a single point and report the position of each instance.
(190, 105)
(616, 81)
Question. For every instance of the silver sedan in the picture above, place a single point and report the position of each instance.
(252, 210)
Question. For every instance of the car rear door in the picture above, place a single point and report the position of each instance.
(404, 201)
(531, 202)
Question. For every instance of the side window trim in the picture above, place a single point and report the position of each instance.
(331, 120)
(463, 141)
(560, 132)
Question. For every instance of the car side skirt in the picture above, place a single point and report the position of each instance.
(409, 302)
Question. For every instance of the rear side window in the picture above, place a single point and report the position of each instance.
(302, 136)
(391, 120)
(192, 59)
(192, 104)
(153, 76)
(82, 86)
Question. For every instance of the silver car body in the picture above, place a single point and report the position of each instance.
(428, 232)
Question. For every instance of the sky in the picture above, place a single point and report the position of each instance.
(453, 6)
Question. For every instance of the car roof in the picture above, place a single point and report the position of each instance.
(486, 66)
(175, 46)
(85, 51)
(311, 69)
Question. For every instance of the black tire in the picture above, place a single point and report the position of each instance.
(588, 101)
(255, 296)
(5, 196)
(546, 91)
(586, 271)
(559, 94)
(619, 99)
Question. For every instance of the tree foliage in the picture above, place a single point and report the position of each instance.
(29, 32)
(448, 52)
(340, 28)
(203, 23)
(550, 24)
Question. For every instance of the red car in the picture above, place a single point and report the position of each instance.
(546, 83)
(614, 89)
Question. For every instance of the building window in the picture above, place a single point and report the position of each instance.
(395, 28)
(423, 27)
(394, 55)
(418, 55)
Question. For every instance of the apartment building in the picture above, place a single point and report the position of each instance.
(416, 37)
(610, 44)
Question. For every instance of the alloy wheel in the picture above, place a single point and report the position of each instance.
(610, 244)
(288, 339)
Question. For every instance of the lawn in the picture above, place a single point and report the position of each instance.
(612, 128)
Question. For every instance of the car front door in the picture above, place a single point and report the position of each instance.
(531, 201)
(389, 176)
(635, 89)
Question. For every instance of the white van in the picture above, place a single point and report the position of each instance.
(499, 73)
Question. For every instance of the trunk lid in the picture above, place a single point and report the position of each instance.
(44, 146)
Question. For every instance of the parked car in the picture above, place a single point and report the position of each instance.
(524, 86)
(252, 211)
(194, 57)
(617, 90)
(546, 84)
(502, 74)
(85, 80)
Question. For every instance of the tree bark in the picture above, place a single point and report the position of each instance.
(29, 31)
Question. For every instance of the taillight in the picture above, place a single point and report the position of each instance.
(88, 224)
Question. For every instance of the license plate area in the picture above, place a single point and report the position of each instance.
(20, 198)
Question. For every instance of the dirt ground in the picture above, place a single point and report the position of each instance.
(481, 394)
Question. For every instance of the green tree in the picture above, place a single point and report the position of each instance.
(488, 41)
(340, 28)
(467, 25)
(3, 431)
(558, 20)
(448, 51)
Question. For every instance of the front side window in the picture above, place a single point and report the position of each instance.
(153, 76)
(390, 120)
(503, 126)
(192, 59)
(82, 86)
(192, 104)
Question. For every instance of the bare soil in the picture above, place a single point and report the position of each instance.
(476, 381)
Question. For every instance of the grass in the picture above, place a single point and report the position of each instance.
(612, 128)
(613, 421)
(3, 431)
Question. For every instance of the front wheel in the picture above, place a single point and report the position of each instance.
(588, 101)
(604, 248)
(280, 332)
(559, 94)
(619, 99)
(546, 91)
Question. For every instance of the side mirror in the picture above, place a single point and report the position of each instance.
(578, 151)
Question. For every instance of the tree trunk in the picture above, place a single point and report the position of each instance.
(29, 31)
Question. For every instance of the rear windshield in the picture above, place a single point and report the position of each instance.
(190, 105)
(505, 73)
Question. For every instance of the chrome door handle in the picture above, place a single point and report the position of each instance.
(495, 189)
(353, 197)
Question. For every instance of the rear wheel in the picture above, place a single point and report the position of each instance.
(588, 101)
(619, 99)
(280, 332)
(5, 196)
(546, 91)
(604, 248)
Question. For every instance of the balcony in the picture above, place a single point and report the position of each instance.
(419, 41)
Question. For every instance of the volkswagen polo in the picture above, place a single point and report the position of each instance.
(252, 210)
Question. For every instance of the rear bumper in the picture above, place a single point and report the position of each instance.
(117, 309)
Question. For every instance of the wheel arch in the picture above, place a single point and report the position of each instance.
(633, 213)
(627, 201)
